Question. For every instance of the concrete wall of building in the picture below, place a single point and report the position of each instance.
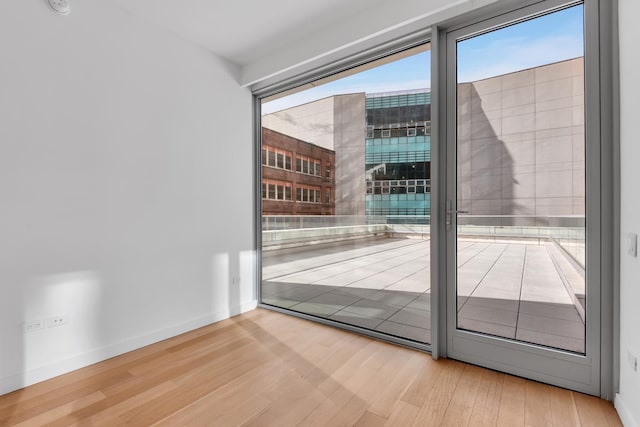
(312, 122)
(521, 142)
(348, 136)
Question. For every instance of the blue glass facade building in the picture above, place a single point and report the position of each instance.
(398, 154)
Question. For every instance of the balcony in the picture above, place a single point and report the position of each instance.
(518, 277)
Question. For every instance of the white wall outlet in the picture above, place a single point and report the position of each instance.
(52, 322)
(33, 325)
(632, 244)
(633, 361)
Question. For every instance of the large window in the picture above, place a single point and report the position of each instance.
(341, 250)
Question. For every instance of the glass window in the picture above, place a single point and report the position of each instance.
(280, 160)
(316, 207)
(272, 191)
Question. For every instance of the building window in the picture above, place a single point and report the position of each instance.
(411, 132)
(276, 190)
(309, 166)
(276, 158)
(386, 133)
(308, 194)
(327, 171)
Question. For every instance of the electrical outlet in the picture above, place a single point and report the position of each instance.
(33, 325)
(57, 321)
(633, 361)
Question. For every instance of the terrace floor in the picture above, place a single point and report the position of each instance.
(515, 290)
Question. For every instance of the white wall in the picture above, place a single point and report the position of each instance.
(124, 187)
(628, 401)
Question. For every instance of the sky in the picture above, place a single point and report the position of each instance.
(551, 38)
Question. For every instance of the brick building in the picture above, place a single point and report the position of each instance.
(297, 177)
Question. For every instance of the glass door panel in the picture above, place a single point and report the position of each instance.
(346, 197)
(521, 183)
(517, 212)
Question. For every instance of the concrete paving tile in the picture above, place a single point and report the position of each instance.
(409, 286)
(490, 315)
(552, 326)
(495, 303)
(333, 298)
(356, 319)
(486, 327)
(394, 297)
(550, 340)
(371, 308)
(322, 310)
(556, 311)
(422, 302)
(413, 317)
(553, 296)
(279, 302)
(299, 294)
(405, 331)
(496, 292)
(357, 292)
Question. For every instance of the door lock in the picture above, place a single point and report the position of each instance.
(449, 214)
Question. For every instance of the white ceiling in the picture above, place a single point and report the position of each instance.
(243, 30)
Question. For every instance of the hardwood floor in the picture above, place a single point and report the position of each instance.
(268, 369)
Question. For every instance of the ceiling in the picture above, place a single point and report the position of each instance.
(241, 31)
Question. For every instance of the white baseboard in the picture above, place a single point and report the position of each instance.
(32, 376)
(623, 411)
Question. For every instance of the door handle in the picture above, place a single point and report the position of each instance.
(449, 214)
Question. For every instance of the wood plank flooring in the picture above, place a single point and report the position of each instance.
(267, 369)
